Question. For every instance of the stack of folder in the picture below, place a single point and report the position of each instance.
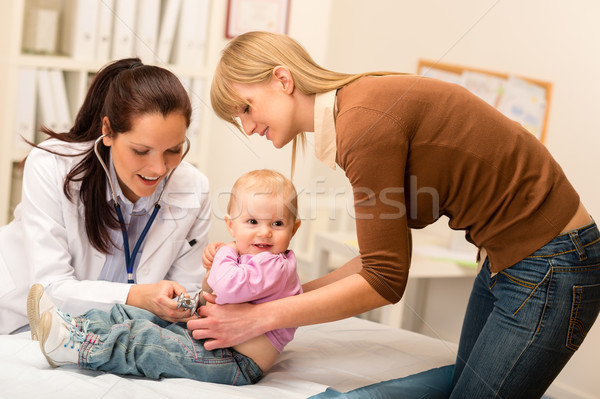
(157, 31)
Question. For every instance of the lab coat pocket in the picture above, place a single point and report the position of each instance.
(183, 247)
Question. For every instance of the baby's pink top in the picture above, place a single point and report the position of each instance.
(256, 278)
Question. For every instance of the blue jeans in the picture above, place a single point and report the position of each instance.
(523, 324)
(430, 384)
(133, 341)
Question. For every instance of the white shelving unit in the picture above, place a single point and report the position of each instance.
(77, 74)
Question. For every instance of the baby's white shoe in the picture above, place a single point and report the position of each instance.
(37, 303)
(60, 339)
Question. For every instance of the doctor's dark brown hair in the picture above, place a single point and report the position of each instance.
(121, 91)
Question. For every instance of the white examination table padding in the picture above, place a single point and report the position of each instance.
(344, 355)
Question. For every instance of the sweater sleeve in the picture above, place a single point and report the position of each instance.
(251, 279)
(376, 170)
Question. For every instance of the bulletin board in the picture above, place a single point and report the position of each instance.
(524, 100)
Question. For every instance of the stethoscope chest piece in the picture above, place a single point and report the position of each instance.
(191, 303)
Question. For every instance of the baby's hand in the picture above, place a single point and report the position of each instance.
(209, 254)
(233, 245)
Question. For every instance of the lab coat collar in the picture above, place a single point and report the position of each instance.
(179, 192)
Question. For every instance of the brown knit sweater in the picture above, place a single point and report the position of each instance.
(416, 148)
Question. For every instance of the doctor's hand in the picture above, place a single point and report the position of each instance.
(158, 299)
(224, 326)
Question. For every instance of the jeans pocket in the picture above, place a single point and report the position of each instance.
(526, 291)
(584, 311)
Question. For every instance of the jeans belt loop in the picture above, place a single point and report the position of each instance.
(577, 242)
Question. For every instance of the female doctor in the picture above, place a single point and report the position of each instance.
(115, 178)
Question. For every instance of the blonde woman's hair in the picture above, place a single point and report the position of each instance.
(266, 182)
(252, 57)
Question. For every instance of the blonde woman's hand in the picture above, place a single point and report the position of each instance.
(224, 326)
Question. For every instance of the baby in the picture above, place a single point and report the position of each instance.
(256, 267)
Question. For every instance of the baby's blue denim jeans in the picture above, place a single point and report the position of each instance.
(133, 341)
(523, 324)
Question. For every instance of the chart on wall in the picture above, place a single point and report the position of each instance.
(524, 100)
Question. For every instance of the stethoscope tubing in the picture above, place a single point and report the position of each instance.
(130, 256)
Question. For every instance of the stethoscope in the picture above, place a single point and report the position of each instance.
(130, 257)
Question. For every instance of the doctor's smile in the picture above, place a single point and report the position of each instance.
(147, 153)
(149, 180)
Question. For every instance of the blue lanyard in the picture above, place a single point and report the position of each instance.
(130, 257)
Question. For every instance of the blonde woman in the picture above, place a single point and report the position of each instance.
(415, 149)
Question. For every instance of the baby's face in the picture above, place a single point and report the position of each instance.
(261, 222)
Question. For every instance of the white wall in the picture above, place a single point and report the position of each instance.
(553, 40)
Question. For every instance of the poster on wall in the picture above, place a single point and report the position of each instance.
(249, 15)
(523, 100)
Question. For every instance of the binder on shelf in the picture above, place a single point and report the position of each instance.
(80, 19)
(146, 27)
(61, 104)
(26, 104)
(46, 114)
(124, 29)
(192, 31)
(104, 30)
(170, 13)
(40, 30)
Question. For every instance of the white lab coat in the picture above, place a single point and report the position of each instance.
(47, 241)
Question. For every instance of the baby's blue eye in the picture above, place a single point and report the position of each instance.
(252, 221)
(278, 223)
